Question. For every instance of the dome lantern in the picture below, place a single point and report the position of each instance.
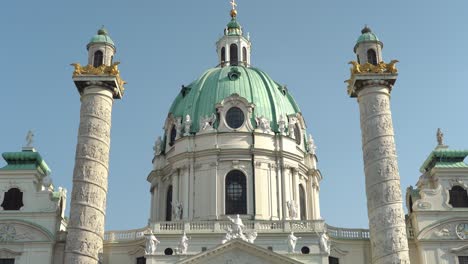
(233, 48)
(368, 47)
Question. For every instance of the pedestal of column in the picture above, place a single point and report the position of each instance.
(88, 201)
(384, 200)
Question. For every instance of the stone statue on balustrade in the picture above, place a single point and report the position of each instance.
(151, 243)
(263, 124)
(292, 126)
(177, 210)
(237, 231)
(292, 241)
(292, 209)
(187, 124)
(311, 147)
(282, 125)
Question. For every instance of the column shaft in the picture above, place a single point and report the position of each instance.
(384, 200)
(88, 202)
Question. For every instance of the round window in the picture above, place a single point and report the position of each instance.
(235, 117)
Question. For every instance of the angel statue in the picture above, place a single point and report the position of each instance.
(292, 209)
(207, 122)
(151, 243)
(157, 146)
(292, 241)
(263, 123)
(29, 139)
(187, 124)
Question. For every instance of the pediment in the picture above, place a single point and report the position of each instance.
(448, 229)
(238, 252)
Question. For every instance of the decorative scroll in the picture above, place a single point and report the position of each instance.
(381, 67)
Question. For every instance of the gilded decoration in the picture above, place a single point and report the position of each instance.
(112, 70)
(381, 67)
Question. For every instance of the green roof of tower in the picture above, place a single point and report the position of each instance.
(102, 36)
(445, 158)
(25, 160)
(367, 36)
(199, 98)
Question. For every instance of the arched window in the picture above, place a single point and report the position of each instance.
(169, 204)
(223, 55)
(302, 202)
(98, 59)
(458, 197)
(236, 193)
(244, 55)
(13, 200)
(233, 55)
(371, 56)
(173, 135)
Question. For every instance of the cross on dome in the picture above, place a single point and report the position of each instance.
(233, 10)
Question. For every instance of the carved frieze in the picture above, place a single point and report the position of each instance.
(93, 128)
(386, 217)
(381, 149)
(390, 241)
(384, 193)
(89, 172)
(98, 152)
(97, 107)
(86, 194)
(18, 232)
(84, 244)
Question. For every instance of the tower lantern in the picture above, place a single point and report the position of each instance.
(368, 47)
(101, 49)
(233, 48)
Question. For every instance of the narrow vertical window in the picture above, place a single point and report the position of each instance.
(169, 204)
(141, 260)
(244, 55)
(13, 200)
(223, 55)
(236, 193)
(233, 55)
(98, 59)
(333, 260)
(458, 197)
(371, 56)
(172, 135)
(463, 259)
(302, 202)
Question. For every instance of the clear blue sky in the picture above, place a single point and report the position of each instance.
(164, 44)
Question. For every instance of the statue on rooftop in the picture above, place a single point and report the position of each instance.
(440, 137)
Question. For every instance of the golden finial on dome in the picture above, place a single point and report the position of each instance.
(233, 10)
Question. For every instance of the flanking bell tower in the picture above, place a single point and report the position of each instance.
(371, 82)
(98, 84)
(233, 48)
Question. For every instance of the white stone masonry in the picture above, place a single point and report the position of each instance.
(384, 199)
(88, 203)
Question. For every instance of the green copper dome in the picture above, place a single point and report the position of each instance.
(200, 97)
(102, 36)
(367, 36)
(233, 24)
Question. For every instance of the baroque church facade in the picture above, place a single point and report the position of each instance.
(235, 177)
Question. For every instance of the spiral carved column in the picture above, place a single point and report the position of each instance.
(88, 204)
(384, 200)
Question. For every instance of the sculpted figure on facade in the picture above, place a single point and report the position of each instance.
(291, 126)
(207, 122)
(440, 137)
(183, 244)
(251, 236)
(187, 125)
(178, 127)
(157, 146)
(151, 243)
(292, 209)
(29, 139)
(263, 123)
(292, 241)
(237, 226)
(311, 147)
(177, 209)
(282, 125)
(324, 243)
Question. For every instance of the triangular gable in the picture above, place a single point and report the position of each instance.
(239, 251)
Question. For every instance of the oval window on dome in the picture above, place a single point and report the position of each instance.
(235, 117)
